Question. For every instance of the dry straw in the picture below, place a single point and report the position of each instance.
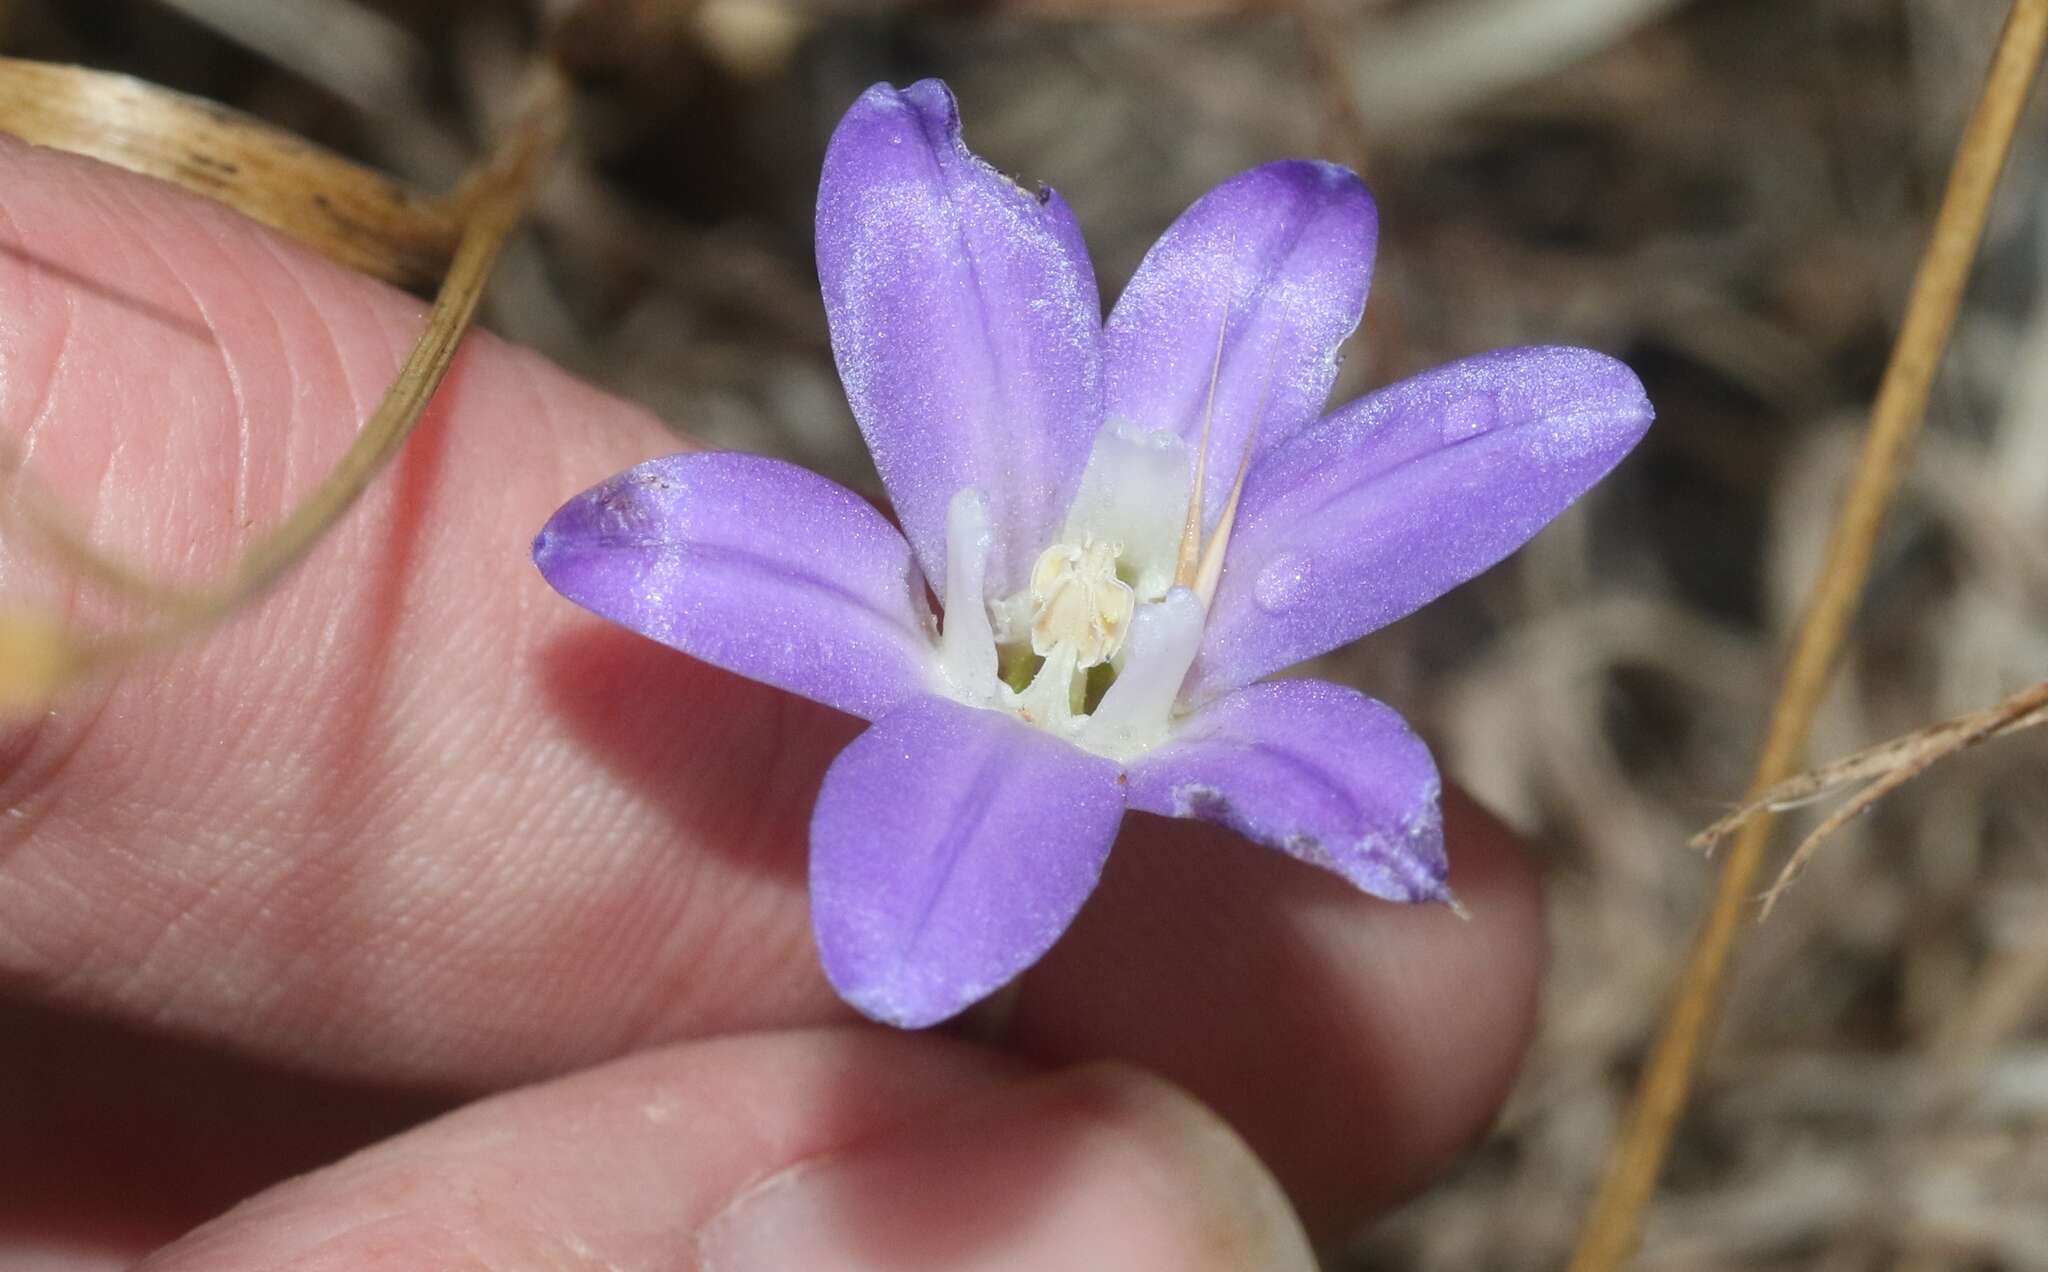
(346, 212)
(1611, 1231)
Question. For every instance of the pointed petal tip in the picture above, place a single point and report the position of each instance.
(1407, 866)
(606, 511)
(1408, 870)
(902, 1003)
(1594, 407)
(552, 554)
(934, 97)
(1394, 499)
(718, 554)
(940, 869)
(1573, 387)
(929, 99)
(1332, 180)
(1231, 325)
(1318, 771)
(1407, 875)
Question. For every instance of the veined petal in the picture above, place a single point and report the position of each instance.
(950, 847)
(1394, 500)
(756, 566)
(1276, 262)
(965, 322)
(1320, 772)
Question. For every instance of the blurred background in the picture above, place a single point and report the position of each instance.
(1728, 195)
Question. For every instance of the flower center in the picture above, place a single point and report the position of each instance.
(1079, 651)
(1078, 601)
(1095, 645)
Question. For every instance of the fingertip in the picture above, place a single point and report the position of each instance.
(1501, 889)
(847, 1149)
(1102, 1165)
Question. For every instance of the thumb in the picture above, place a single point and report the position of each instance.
(847, 1149)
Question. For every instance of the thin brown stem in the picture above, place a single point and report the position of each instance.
(1614, 1224)
(494, 203)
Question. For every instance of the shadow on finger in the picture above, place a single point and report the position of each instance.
(1355, 1043)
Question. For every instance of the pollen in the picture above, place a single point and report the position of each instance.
(1077, 600)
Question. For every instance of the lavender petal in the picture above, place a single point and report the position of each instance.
(966, 325)
(950, 847)
(1397, 498)
(1320, 772)
(756, 566)
(1276, 261)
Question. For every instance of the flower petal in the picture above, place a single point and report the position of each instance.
(965, 322)
(1392, 501)
(1277, 260)
(755, 565)
(1320, 772)
(950, 848)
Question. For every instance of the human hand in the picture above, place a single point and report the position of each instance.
(414, 823)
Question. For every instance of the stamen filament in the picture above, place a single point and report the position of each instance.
(1191, 530)
(1048, 700)
(967, 643)
(1210, 575)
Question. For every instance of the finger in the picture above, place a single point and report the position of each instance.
(846, 1150)
(117, 1141)
(411, 815)
(1358, 1044)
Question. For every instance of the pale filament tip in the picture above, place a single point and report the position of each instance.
(1206, 574)
(1186, 567)
(1210, 573)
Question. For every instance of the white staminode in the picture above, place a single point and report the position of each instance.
(1104, 591)
(967, 645)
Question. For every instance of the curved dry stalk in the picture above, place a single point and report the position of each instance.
(27, 507)
(340, 209)
(46, 657)
(1611, 1229)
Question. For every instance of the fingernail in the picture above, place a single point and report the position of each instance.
(1102, 1166)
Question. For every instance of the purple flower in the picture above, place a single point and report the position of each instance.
(1127, 525)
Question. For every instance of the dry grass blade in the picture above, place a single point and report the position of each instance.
(2023, 710)
(1088, 10)
(346, 47)
(46, 658)
(1611, 1230)
(1428, 61)
(343, 210)
(1932, 744)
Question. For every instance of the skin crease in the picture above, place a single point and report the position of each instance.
(415, 824)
